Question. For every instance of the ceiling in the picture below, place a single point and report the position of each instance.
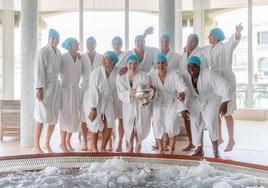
(135, 5)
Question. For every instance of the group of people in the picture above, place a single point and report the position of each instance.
(89, 92)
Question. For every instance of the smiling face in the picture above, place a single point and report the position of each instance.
(107, 63)
(53, 41)
(140, 43)
(191, 43)
(212, 39)
(162, 66)
(91, 46)
(132, 65)
(193, 70)
(74, 47)
(164, 45)
(117, 46)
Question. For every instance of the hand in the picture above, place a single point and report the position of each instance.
(181, 96)
(39, 94)
(122, 71)
(238, 29)
(148, 31)
(223, 108)
(92, 114)
(79, 55)
(185, 115)
(132, 93)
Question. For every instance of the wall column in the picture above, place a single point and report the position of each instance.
(28, 52)
(167, 19)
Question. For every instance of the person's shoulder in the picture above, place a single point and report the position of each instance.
(44, 50)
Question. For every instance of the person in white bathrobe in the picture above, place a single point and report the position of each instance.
(168, 102)
(191, 49)
(117, 43)
(173, 62)
(47, 89)
(70, 74)
(220, 61)
(173, 58)
(205, 88)
(136, 117)
(91, 60)
(100, 100)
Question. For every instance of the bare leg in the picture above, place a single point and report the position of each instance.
(121, 135)
(199, 150)
(84, 131)
(190, 146)
(50, 129)
(160, 144)
(166, 142)
(109, 145)
(138, 144)
(156, 146)
(37, 133)
(62, 141)
(215, 148)
(172, 142)
(68, 141)
(130, 143)
(106, 135)
(230, 128)
(93, 141)
(220, 141)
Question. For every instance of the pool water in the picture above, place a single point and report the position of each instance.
(118, 173)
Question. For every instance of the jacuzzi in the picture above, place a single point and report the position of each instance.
(82, 169)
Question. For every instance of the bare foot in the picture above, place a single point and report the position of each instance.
(37, 150)
(84, 146)
(166, 148)
(189, 147)
(155, 147)
(138, 148)
(103, 150)
(198, 152)
(64, 148)
(130, 149)
(94, 150)
(172, 151)
(230, 146)
(216, 153)
(161, 152)
(119, 148)
(220, 141)
(109, 148)
(48, 148)
(69, 146)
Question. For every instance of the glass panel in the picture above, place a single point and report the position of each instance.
(138, 22)
(260, 56)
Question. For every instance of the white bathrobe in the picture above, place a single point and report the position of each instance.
(88, 67)
(46, 74)
(121, 63)
(135, 115)
(146, 63)
(166, 106)
(220, 61)
(196, 52)
(173, 61)
(101, 95)
(204, 105)
(71, 71)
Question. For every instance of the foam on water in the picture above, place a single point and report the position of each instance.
(118, 173)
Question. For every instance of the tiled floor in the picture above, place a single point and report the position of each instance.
(251, 143)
